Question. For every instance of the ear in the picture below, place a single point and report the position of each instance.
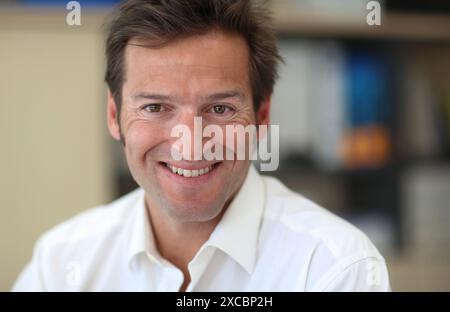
(263, 117)
(113, 123)
(263, 113)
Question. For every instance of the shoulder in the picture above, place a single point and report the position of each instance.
(64, 255)
(326, 245)
(296, 214)
(93, 225)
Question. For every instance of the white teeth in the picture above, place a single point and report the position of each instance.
(189, 173)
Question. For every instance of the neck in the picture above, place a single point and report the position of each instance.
(178, 242)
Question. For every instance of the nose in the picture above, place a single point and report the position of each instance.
(192, 120)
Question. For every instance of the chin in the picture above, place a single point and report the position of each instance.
(193, 211)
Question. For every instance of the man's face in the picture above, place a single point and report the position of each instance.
(205, 76)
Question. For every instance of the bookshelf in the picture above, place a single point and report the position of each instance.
(395, 26)
(417, 47)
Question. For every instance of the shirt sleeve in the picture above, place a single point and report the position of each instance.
(366, 275)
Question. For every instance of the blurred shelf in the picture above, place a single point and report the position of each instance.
(420, 268)
(47, 18)
(400, 26)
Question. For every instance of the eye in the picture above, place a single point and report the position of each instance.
(220, 109)
(153, 108)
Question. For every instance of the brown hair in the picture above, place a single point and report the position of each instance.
(161, 21)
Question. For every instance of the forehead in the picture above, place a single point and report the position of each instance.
(215, 57)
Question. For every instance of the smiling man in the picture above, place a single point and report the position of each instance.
(197, 224)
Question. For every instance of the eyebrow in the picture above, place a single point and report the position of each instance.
(225, 95)
(210, 98)
(152, 96)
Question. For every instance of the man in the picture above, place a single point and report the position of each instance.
(198, 225)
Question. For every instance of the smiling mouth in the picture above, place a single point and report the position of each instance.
(190, 173)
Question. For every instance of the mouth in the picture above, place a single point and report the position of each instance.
(190, 173)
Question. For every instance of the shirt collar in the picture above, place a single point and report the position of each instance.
(236, 234)
(141, 239)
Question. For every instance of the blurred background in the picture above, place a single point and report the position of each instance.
(364, 115)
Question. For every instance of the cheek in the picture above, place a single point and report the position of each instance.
(141, 138)
(240, 138)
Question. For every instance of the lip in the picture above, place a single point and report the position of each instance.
(191, 165)
(190, 181)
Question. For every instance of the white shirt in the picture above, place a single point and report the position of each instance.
(269, 239)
